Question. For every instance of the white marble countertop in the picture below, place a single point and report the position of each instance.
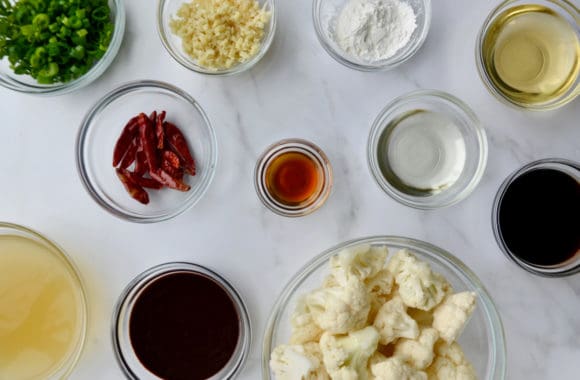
(296, 91)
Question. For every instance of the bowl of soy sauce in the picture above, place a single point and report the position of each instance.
(536, 217)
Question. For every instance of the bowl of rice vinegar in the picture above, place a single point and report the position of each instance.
(43, 309)
(528, 54)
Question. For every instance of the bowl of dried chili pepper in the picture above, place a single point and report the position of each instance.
(146, 152)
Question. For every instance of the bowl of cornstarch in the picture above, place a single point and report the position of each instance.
(371, 35)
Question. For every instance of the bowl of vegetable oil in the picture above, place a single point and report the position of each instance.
(528, 53)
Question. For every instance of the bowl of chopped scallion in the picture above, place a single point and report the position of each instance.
(50, 47)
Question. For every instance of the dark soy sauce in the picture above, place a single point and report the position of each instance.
(539, 217)
(184, 326)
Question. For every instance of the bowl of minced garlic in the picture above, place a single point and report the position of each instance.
(218, 37)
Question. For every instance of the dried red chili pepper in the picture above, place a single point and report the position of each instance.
(171, 158)
(160, 130)
(149, 183)
(153, 117)
(165, 178)
(140, 163)
(134, 189)
(123, 143)
(147, 136)
(176, 173)
(130, 155)
(178, 145)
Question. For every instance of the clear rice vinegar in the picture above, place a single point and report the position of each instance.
(531, 54)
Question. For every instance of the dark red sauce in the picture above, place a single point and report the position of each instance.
(184, 326)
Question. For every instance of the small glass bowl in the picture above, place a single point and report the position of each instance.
(168, 8)
(27, 84)
(126, 356)
(482, 340)
(288, 146)
(470, 128)
(565, 166)
(70, 362)
(565, 9)
(101, 128)
(324, 13)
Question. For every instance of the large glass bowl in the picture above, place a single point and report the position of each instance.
(482, 340)
(99, 133)
(27, 84)
(69, 361)
(324, 13)
(168, 8)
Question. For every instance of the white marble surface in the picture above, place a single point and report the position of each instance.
(296, 91)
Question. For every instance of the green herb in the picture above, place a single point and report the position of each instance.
(54, 40)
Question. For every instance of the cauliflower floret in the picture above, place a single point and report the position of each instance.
(339, 310)
(418, 353)
(450, 364)
(304, 329)
(313, 351)
(393, 322)
(296, 363)
(396, 369)
(362, 261)
(346, 357)
(380, 288)
(452, 314)
(419, 286)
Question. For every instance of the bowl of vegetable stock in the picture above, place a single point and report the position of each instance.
(43, 307)
(58, 46)
(528, 53)
(427, 149)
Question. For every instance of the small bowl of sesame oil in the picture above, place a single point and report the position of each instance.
(293, 178)
(528, 53)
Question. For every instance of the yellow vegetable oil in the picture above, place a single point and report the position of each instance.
(41, 310)
(531, 54)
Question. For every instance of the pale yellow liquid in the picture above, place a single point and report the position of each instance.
(41, 311)
(532, 54)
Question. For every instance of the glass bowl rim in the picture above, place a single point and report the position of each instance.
(94, 73)
(474, 126)
(100, 106)
(293, 144)
(443, 257)
(383, 65)
(555, 272)
(141, 281)
(559, 6)
(236, 69)
(75, 355)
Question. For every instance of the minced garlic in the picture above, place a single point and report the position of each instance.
(219, 34)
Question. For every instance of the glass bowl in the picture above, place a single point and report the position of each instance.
(297, 146)
(482, 340)
(470, 128)
(26, 84)
(124, 352)
(563, 8)
(69, 362)
(324, 13)
(165, 11)
(567, 268)
(101, 128)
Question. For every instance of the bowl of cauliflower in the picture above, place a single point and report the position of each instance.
(384, 308)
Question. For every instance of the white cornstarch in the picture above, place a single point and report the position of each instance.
(373, 30)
